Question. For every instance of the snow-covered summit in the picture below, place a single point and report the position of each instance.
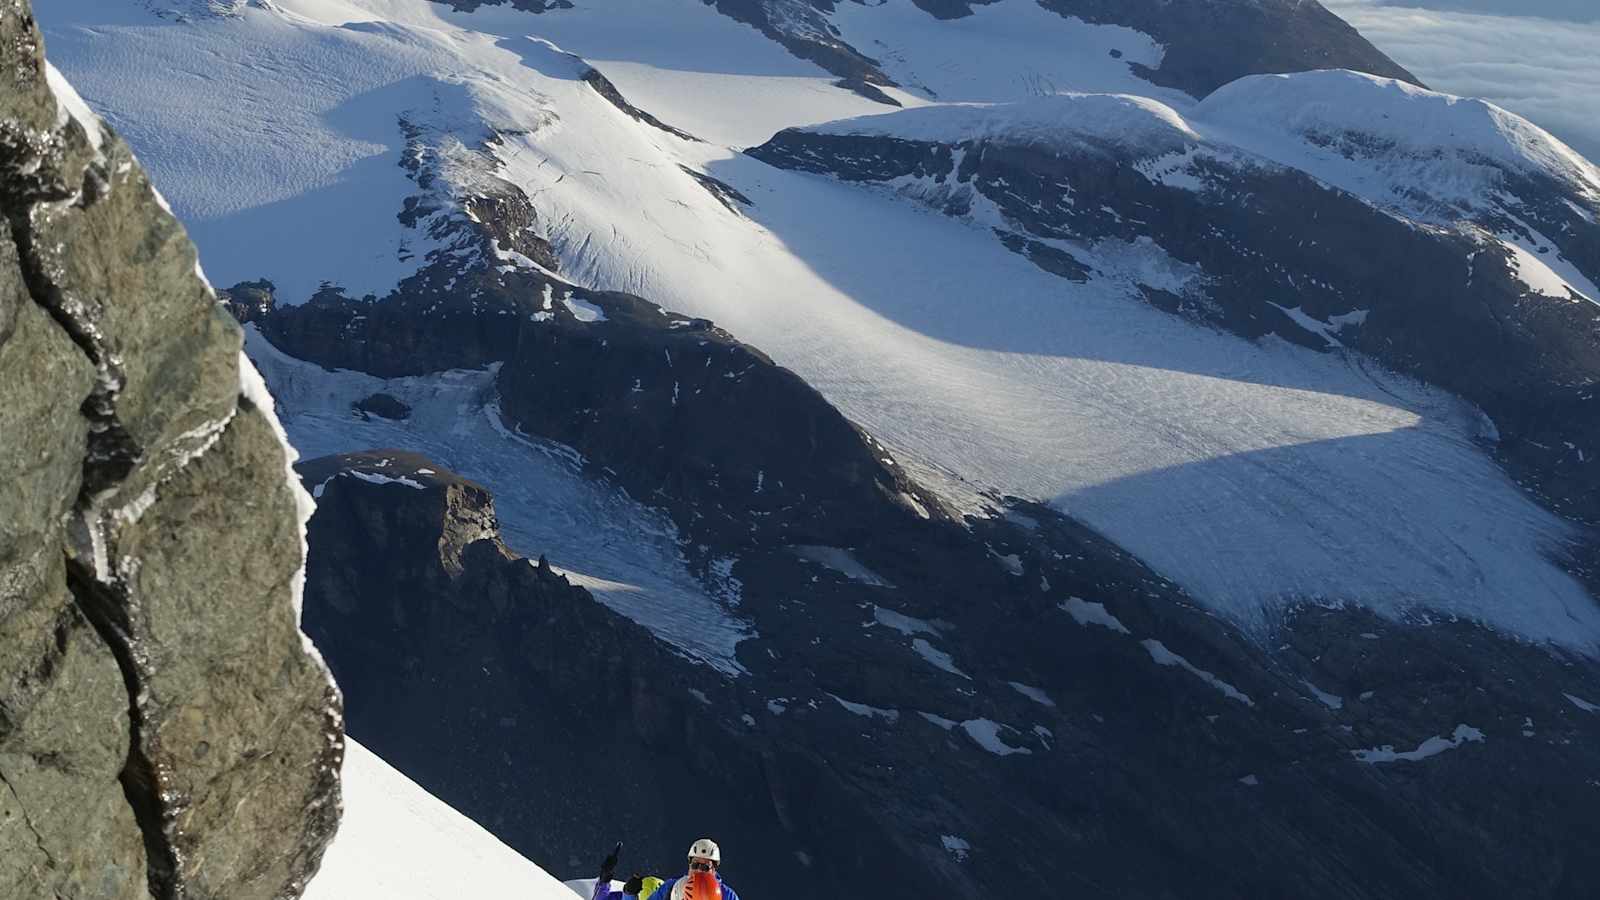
(1440, 142)
(1133, 124)
(1387, 140)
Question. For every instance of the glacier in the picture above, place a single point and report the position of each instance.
(1259, 475)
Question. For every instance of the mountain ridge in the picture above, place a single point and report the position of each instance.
(1110, 452)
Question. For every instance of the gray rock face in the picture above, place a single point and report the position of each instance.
(1212, 42)
(65, 827)
(163, 729)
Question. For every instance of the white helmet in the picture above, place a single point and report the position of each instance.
(706, 848)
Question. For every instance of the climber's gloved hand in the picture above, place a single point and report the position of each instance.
(608, 866)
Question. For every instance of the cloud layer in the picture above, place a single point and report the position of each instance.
(1543, 69)
(1575, 10)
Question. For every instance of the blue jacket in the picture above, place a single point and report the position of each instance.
(665, 891)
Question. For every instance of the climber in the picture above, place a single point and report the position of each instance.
(703, 881)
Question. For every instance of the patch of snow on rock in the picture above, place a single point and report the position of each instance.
(938, 658)
(986, 734)
(1582, 704)
(1331, 701)
(861, 709)
(378, 478)
(956, 846)
(903, 623)
(1032, 693)
(1431, 747)
(839, 560)
(1540, 278)
(1164, 657)
(583, 310)
(1085, 612)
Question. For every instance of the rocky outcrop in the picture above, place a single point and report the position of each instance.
(552, 720)
(458, 309)
(1125, 738)
(164, 729)
(603, 86)
(691, 417)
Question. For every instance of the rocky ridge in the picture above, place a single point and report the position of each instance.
(1208, 42)
(1422, 280)
(872, 717)
(153, 741)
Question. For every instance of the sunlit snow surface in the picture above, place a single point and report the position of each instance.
(1253, 473)
(398, 842)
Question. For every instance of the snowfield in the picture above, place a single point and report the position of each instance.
(398, 842)
(1256, 474)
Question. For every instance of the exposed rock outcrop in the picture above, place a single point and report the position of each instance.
(1212, 42)
(686, 414)
(1136, 743)
(164, 729)
(551, 719)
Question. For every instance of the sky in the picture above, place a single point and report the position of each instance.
(1545, 67)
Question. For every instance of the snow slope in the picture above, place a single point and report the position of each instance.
(271, 136)
(1256, 474)
(398, 842)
